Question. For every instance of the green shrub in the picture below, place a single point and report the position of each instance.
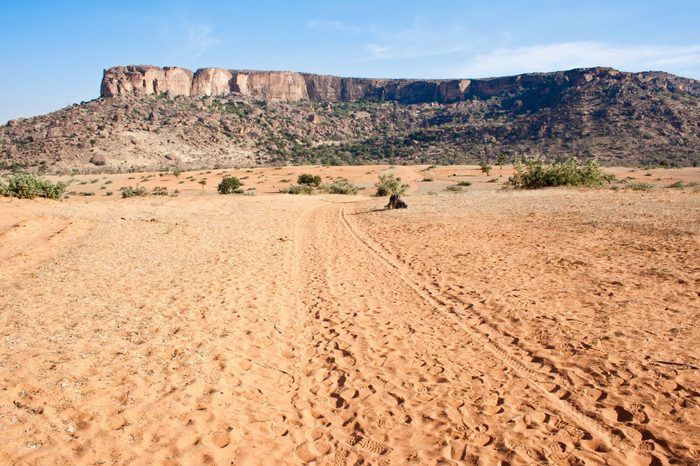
(28, 186)
(340, 187)
(485, 167)
(130, 191)
(464, 183)
(390, 184)
(160, 191)
(297, 189)
(309, 180)
(427, 180)
(640, 186)
(230, 185)
(534, 173)
(454, 189)
(676, 185)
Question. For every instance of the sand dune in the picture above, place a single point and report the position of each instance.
(481, 327)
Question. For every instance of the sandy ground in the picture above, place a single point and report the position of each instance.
(479, 327)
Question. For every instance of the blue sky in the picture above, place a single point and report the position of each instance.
(53, 53)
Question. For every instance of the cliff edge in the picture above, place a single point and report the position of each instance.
(141, 80)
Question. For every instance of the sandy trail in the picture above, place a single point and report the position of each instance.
(525, 328)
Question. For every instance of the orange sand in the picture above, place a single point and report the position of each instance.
(547, 327)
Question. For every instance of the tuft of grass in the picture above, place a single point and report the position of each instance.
(160, 191)
(297, 189)
(676, 185)
(464, 183)
(639, 186)
(427, 180)
(454, 189)
(535, 173)
(340, 187)
(130, 191)
(28, 186)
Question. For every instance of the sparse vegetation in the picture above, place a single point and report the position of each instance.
(340, 187)
(485, 167)
(390, 184)
(309, 180)
(676, 185)
(427, 180)
(535, 173)
(454, 189)
(230, 185)
(639, 186)
(131, 191)
(160, 191)
(464, 183)
(28, 186)
(298, 189)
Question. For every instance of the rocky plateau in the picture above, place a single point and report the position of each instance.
(149, 117)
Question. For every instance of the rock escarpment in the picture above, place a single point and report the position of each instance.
(142, 80)
(292, 86)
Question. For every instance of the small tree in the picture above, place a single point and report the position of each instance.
(500, 161)
(203, 182)
(229, 185)
(177, 172)
(485, 167)
(390, 184)
(309, 180)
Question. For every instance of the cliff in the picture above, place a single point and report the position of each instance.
(141, 80)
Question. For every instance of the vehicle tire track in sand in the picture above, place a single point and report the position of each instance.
(382, 378)
(548, 384)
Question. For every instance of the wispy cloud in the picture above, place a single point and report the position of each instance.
(329, 25)
(683, 59)
(418, 40)
(200, 38)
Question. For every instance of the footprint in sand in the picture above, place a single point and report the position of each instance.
(480, 439)
(220, 439)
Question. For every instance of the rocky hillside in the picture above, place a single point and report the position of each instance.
(150, 117)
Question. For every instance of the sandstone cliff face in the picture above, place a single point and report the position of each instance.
(146, 80)
(140, 80)
(292, 86)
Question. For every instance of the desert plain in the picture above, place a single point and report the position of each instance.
(484, 326)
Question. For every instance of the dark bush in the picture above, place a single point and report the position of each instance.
(230, 185)
(309, 180)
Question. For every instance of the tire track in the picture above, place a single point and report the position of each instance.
(548, 384)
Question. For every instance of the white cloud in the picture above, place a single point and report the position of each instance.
(200, 38)
(552, 57)
(418, 41)
(333, 26)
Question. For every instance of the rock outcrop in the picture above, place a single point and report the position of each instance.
(292, 86)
